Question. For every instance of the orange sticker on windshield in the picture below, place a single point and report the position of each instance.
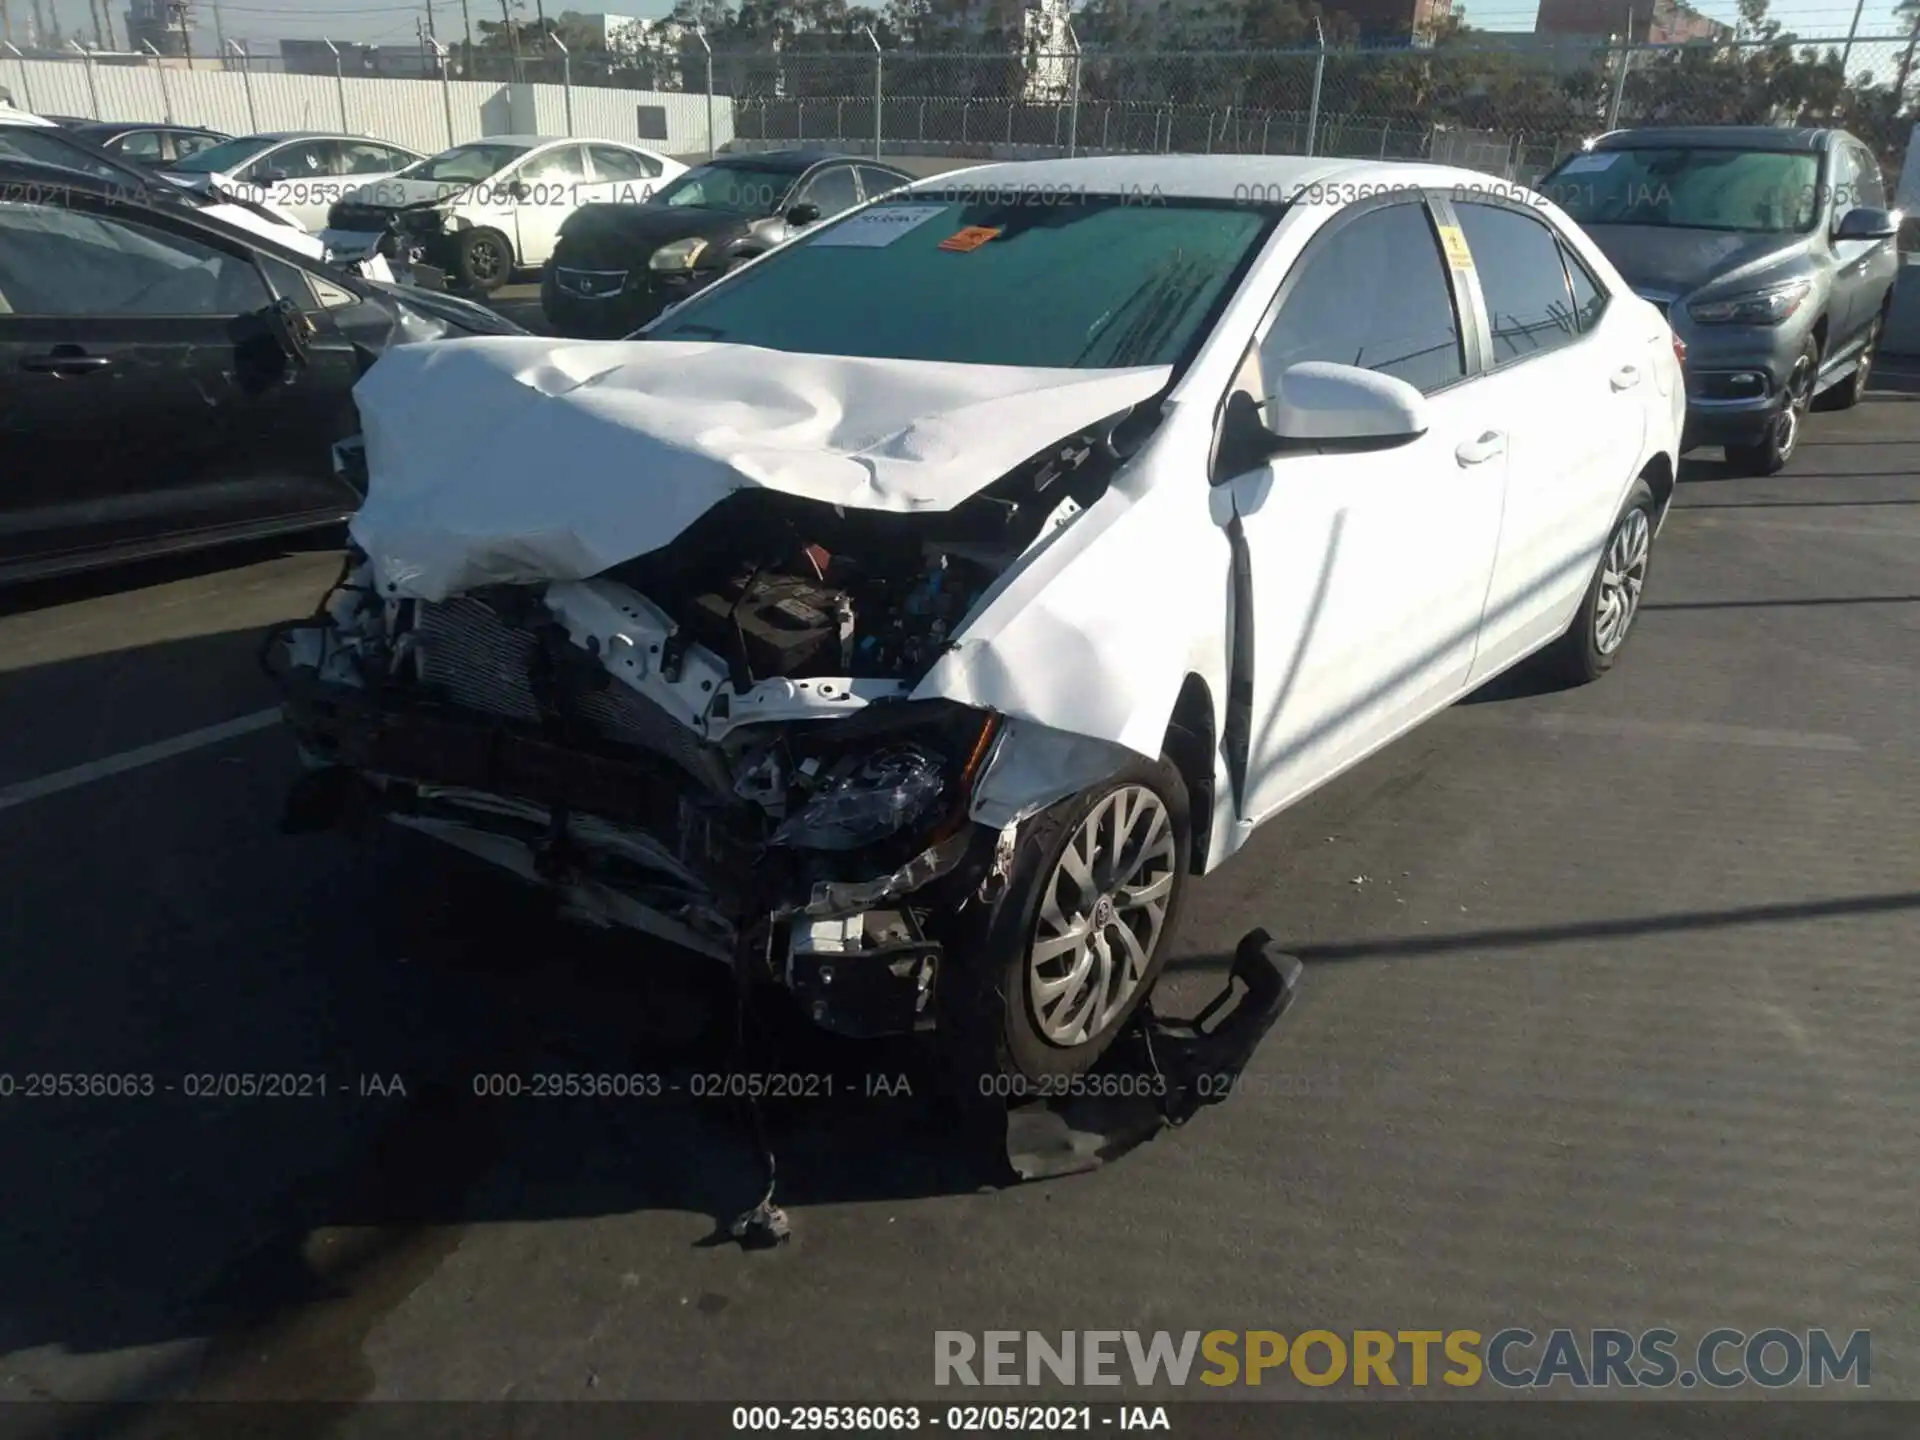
(971, 238)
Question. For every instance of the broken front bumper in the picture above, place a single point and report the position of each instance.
(625, 839)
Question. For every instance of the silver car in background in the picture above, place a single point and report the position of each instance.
(1772, 252)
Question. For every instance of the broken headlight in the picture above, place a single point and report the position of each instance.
(863, 802)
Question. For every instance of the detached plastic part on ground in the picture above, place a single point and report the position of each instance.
(1186, 1065)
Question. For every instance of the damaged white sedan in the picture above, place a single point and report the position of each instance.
(904, 619)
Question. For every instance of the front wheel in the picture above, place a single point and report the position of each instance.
(1769, 455)
(483, 262)
(1079, 934)
(1593, 642)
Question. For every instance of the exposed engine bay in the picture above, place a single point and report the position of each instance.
(648, 743)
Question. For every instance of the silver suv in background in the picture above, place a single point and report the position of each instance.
(1772, 252)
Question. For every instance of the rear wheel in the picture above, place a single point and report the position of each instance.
(1079, 934)
(1593, 642)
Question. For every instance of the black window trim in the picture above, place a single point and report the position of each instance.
(1483, 321)
(1461, 297)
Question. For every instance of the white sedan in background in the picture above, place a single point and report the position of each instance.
(300, 173)
(934, 595)
(484, 210)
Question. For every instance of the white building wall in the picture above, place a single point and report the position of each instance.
(413, 113)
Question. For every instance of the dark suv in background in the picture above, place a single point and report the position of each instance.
(615, 267)
(1772, 252)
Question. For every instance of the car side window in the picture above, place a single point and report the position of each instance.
(610, 162)
(832, 190)
(1338, 307)
(1870, 188)
(564, 165)
(366, 159)
(877, 182)
(1589, 300)
(186, 143)
(60, 261)
(142, 145)
(1529, 303)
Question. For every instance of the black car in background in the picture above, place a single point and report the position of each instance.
(169, 381)
(615, 267)
(155, 145)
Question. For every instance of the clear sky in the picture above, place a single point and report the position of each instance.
(390, 22)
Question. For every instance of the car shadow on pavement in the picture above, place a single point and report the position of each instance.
(305, 1065)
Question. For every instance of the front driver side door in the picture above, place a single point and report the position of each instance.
(831, 190)
(1364, 570)
(140, 396)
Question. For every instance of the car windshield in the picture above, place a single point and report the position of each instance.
(1761, 192)
(735, 188)
(1124, 283)
(465, 164)
(226, 156)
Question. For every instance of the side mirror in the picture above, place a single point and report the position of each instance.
(1320, 403)
(1863, 222)
(291, 330)
(803, 214)
(520, 190)
(269, 177)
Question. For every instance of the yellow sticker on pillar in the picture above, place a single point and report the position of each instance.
(1455, 244)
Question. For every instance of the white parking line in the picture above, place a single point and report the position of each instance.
(44, 785)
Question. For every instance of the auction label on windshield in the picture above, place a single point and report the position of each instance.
(878, 227)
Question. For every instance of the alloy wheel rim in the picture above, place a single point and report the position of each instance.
(1101, 916)
(1799, 392)
(1622, 574)
(485, 260)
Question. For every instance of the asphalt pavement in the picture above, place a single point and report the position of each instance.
(1608, 1019)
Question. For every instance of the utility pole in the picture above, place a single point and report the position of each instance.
(466, 27)
(1852, 30)
(431, 33)
(540, 16)
(6, 23)
(513, 38)
(93, 14)
(219, 31)
(186, 35)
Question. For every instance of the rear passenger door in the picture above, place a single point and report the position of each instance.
(1569, 386)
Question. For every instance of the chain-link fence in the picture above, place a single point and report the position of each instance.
(1511, 110)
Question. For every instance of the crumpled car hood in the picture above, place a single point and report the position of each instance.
(512, 461)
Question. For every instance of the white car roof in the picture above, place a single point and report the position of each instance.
(534, 142)
(1201, 177)
(11, 116)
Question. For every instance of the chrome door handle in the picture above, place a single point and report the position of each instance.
(1475, 452)
(1626, 377)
